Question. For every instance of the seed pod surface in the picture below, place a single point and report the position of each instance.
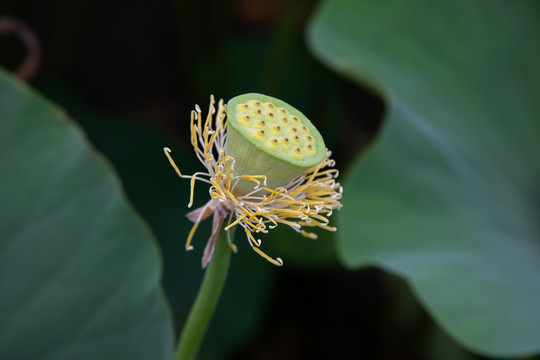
(267, 136)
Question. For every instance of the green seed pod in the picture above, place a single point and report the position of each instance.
(267, 136)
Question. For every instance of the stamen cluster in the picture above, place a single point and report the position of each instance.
(306, 201)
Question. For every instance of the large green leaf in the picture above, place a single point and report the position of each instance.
(449, 194)
(79, 271)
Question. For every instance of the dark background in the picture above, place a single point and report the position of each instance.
(129, 74)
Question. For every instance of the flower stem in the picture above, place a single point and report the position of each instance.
(201, 313)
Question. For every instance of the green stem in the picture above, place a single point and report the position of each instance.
(201, 313)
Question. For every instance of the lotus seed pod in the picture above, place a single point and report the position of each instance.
(267, 136)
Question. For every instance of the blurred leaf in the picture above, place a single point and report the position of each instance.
(448, 196)
(79, 270)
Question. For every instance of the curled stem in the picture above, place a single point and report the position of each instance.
(205, 304)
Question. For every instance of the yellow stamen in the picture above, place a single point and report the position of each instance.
(214, 195)
(231, 245)
(193, 131)
(190, 237)
(218, 188)
(254, 179)
(231, 196)
(288, 196)
(308, 234)
(251, 239)
(238, 219)
(277, 261)
(294, 225)
(192, 190)
(167, 152)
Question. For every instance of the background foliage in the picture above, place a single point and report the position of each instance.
(130, 74)
(79, 270)
(448, 195)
